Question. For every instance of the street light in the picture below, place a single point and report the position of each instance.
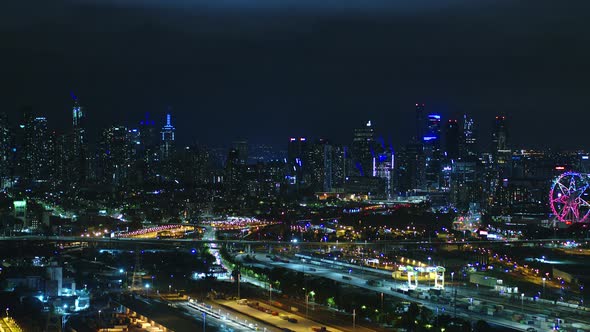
(522, 302)
(7, 309)
(239, 285)
(306, 304)
(544, 279)
(147, 287)
(169, 289)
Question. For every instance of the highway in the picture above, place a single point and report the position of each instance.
(112, 240)
(359, 279)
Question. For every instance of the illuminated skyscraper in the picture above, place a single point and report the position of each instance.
(432, 152)
(6, 152)
(500, 149)
(363, 150)
(297, 162)
(167, 143)
(469, 135)
(500, 135)
(79, 154)
(33, 149)
(115, 158)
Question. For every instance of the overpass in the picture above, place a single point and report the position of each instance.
(170, 241)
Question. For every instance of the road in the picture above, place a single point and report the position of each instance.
(355, 278)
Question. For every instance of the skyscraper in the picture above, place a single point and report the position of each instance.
(453, 139)
(363, 150)
(297, 161)
(432, 152)
(420, 123)
(79, 153)
(33, 149)
(5, 152)
(115, 158)
(500, 149)
(469, 134)
(167, 143)
(242, 147)
(500, 134)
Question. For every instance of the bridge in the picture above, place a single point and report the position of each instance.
(172, 241)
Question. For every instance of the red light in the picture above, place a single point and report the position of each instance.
(559, 168)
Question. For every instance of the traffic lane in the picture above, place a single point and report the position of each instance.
(361, 283)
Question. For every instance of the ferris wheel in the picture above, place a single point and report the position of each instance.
(569, 197)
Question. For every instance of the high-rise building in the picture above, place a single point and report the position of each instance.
(453, 137)
(363, 150)
(167, 144)
(115, 158)
(242, 147)
(500, 149)
(6, 154)
(234, 175)
(470, 139)
(297, 161)
(410, 164)
(432, 152)
(384, 169)
(34, 148)
(321, 165)
(500, 134)
(420, 122)
(79, 153)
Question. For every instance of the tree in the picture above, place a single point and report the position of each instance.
(482, 326)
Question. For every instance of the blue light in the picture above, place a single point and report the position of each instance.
(429, 138)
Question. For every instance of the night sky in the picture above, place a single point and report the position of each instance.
(254, 69)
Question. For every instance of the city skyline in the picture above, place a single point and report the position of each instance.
(256, 67)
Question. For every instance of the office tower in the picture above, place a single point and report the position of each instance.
(115, 157)
(33, 149)
(432, 152)
(469, 135)
(79, 154)
(297, 161)
(384, 168)
(242, 148)
(321, 163)
(340, 166)
(148, 132)
(500, 149)
(363, 150)
(149, 152)
(453, 139)
(195, 165)
(465, 188)
(234, 175)
(6, 152)
(167, 143)
(410, 168)
(420, 123)
(500, 135)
